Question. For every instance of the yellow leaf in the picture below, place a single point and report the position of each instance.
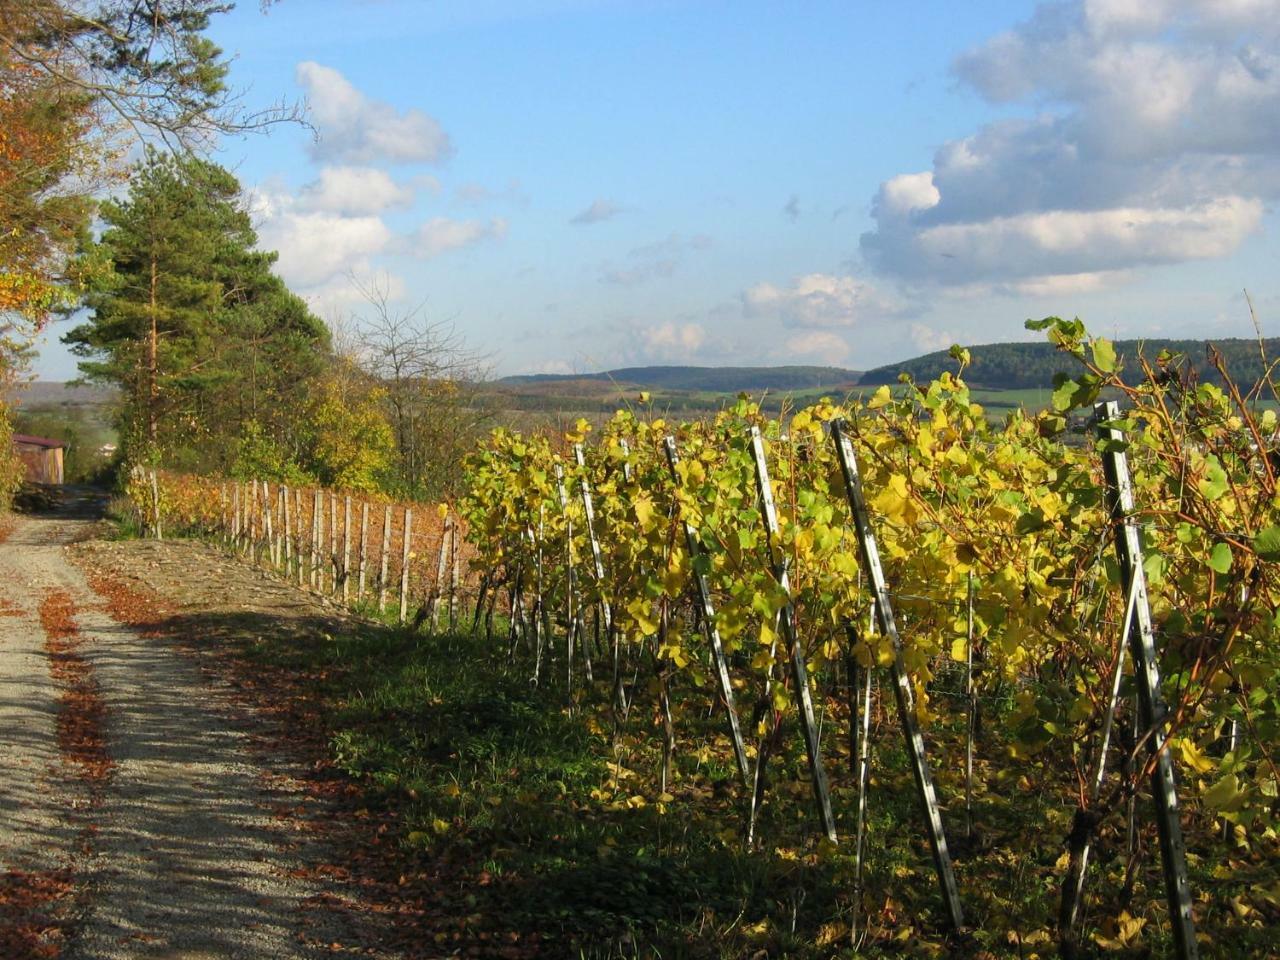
(641, 613)
(768, 637)
(925, 442)
(1192, 756)
(642, 504)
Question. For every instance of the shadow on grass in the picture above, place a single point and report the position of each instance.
(516, 806)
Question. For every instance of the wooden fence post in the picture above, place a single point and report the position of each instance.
(155, 500)
(364, 548)
(297, 522)
(287, 516)
(437, 590)
(404, 564)
(268, 526)
(253, 522)
(383, 563)
(317, 518)
(235, 514)
(333, 543)
(453, 575)
(346, 550)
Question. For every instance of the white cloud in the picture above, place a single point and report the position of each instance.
(599, 211)
(928, 340)
(907, 192)
(1062, 284)
(816, 300)
(441, 234)
(672, 340)
(1152, 136)
(818, 345)
(1085, 241)
(314, 247)
(357, 129)
(340, 296)
(355, 190)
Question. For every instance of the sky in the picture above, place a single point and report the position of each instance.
(578, 185)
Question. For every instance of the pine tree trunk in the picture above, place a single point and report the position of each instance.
(153, 389)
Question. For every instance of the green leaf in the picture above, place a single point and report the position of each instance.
(1214, 482)
(1064, 393)
(1223, 795)
(1267, 543)
(1220, 558)
(1104, 355)
(1153, 566)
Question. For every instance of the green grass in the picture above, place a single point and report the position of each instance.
(550, 826)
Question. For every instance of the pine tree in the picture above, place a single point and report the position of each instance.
(191, 324)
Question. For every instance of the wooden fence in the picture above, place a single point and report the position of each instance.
(363, 551)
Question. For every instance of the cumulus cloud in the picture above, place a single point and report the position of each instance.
(441, 234)
(928, 339)
(817, 300)
(672, 341)
(1153, 137)
(341, 296)
(316, 246)
(599, 211)
(355, 190)
(1081, 241)
(652, 261)
(818, 345)
(354, 128)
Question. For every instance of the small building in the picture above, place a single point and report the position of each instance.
(42, 456)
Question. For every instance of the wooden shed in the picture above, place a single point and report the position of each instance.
(42, 456)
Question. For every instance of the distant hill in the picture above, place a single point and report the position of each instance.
(1016, 366)
(52, 394)
(712, 379)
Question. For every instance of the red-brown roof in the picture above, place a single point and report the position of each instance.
(37, 441)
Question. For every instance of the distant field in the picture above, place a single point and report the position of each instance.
(82, 417)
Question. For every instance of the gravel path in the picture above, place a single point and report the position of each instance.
(182, 852)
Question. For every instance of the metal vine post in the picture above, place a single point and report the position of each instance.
(870, 554)
(707, 612)
(786, 623)
(1146, 672)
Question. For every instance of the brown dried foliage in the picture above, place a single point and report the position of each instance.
(81, 709)
(29, 926)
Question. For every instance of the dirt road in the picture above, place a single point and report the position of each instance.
(136, 819)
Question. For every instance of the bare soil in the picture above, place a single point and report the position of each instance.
(148, 807)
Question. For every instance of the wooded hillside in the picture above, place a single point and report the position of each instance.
(1015, 366)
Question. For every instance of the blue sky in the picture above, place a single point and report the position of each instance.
(583, 184)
